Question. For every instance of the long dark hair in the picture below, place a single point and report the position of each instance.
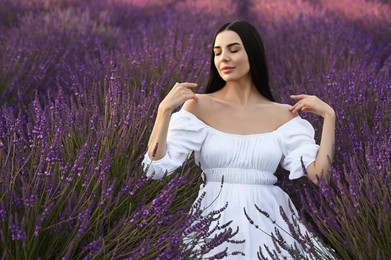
(255, 50)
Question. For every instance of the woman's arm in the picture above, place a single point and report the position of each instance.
(177, 96)
(322, 164)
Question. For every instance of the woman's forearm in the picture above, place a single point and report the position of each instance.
(158, 139)
(321, 165)
(325, 155)
(177, 96)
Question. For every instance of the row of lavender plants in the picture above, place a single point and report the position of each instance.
(79, 85)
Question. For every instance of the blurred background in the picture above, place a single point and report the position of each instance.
(80, 82)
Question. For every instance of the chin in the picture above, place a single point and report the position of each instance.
(228, 77)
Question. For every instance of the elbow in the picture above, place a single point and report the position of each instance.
(315, 175)
(316, 178)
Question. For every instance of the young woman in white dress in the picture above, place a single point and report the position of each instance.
(238, 131)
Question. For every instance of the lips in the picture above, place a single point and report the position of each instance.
(226, 69)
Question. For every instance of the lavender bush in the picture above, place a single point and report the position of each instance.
(79, 85)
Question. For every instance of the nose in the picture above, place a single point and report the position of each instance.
(225, 56)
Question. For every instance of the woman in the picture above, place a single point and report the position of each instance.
(238, 131)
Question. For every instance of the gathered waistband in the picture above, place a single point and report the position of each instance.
(239, 176)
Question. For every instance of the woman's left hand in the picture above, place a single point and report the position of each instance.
(312, 104)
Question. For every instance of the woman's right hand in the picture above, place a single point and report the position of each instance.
(178, 95)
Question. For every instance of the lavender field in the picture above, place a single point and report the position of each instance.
(80, 82)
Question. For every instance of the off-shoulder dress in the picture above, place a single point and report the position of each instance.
(248, 163)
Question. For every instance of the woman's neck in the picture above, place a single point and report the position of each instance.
(242, 93)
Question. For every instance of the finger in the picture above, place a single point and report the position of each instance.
(294, 109)
(306, 109)
(297, 97)
(189, 84)
(189, 94)
(297, 107)
(189, 97)
(195, 97)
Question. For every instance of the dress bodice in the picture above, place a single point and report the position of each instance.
(288, 144)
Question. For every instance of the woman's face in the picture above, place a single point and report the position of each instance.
(230, 57)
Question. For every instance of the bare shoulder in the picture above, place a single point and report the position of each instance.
(282, 112)
(198, 107)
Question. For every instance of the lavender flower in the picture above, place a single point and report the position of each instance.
(79, 89)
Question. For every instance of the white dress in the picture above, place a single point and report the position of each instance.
(248, 164)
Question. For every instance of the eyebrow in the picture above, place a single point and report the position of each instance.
(229, 45)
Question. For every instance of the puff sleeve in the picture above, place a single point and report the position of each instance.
(297, 142)
(185, 135)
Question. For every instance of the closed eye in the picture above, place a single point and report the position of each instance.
(232, 51)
